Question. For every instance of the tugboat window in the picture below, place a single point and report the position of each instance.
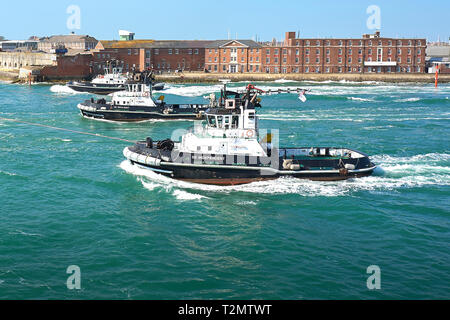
(227, 122)
(212, 121)
(235, 122)
(219, 121)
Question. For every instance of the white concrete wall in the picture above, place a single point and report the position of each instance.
(17, 60)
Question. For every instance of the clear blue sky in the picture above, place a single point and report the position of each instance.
(213, 19)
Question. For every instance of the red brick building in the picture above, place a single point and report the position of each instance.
(177, 55)
(69, 67)
(233, 56)
(371, 53)
(164, 56)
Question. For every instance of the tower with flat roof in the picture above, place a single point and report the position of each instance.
(126, 35)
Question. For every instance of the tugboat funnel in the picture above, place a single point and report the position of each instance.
(267, 138)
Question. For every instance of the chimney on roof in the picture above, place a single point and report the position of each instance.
(290, 35)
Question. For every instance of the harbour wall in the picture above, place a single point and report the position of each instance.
(200, 77)
(76, 73)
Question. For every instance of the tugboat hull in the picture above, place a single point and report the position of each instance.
(230, 177)
(158, 86)
(104, 111)
(104, 89)
(88, 87)
(179, 167)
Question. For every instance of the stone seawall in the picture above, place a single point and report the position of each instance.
(196, 77)
(6, 75)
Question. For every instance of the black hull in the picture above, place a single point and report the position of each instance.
(136, 116)
(217, 170)
(158, 87)
(100, 90)
(137, 113)
(104, 89)
(227, 176)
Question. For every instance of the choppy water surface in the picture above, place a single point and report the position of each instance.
(69, 199)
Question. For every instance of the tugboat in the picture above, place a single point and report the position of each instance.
(113, 80)
(110, 82)
(137, 103)
(227, 150)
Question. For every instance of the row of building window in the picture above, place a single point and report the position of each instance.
(233, 59)
(156, 52)
(233, 50)
(349, 70)
(359, 42)
(340, 51)
(350, 60)
(177, 51)
(225, 68)
(297, 52)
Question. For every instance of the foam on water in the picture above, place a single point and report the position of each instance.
(392, 173)
(184, 195)
(360, 99)
(8, 173)
(408, 100)
(155, 181)
(344, 88)
(192, 91)
(63, 90)
(284, 81)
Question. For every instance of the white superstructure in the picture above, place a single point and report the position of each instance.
(114, 76)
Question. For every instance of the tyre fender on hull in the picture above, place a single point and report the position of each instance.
(140, 158)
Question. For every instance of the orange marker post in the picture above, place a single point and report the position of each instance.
(436, 77)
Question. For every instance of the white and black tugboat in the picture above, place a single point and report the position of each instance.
(227, 150)
(137, 103)
(113, 80)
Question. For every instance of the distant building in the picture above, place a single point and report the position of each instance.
(438, 55)
(15, 60)
(19, 45)
(369, 54)
(161, 55)
(233, 56)
(171, 55)
(72, 41)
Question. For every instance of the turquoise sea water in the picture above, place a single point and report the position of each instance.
(70, 199)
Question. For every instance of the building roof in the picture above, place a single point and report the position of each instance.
(74, 52)
(438, 51)
(158, 44)
(19, 41)
(68, 38)
(223, 43)
(181, 44)
(114, 44)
